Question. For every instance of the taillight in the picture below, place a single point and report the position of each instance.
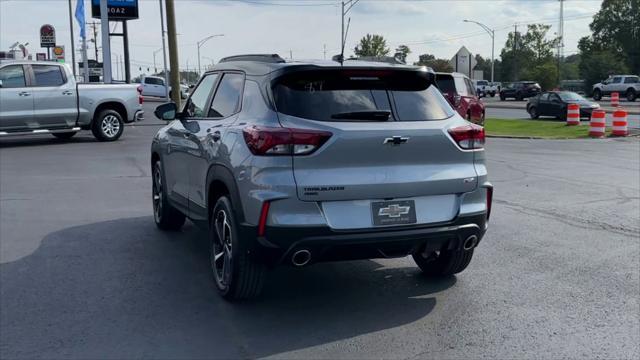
(489, 201)
(283, 141)
(140, 99)
(468, 137)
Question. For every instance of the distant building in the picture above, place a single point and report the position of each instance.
(463, 62)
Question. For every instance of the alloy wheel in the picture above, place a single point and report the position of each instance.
(157, 194)
(110, 126)
(221, 255)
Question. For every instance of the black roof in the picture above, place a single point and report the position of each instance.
(262, 64)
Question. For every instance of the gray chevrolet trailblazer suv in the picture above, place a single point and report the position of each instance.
(302, 162)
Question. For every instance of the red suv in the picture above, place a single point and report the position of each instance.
(461, 94)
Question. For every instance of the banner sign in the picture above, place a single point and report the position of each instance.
(47, 36)
(41, 56)
(118, 9)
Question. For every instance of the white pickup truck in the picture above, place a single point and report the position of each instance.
(38, 97)
(625, 85)
(484, 88)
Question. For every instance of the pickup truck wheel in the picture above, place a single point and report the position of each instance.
(492, 93)
(64, 135)
(597, 94)
(631, 95)
(166, 216)
(107, 126)
(237, 275)
(502, 97)
(443, 263)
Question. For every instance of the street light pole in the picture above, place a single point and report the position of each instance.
(491, 33)
(200, 43)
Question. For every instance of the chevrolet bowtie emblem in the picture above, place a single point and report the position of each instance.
(396, 140)
(394, 211)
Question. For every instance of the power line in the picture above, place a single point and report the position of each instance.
(289, 4)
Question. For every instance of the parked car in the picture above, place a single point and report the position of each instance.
(626, 85)
(461, 94)
(38, 97)
(554, 103)
(482, 87)
(520, 90)
(155, 86)
(304, 162)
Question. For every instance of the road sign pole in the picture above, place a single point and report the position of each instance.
(106, 46)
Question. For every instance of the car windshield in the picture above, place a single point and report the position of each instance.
(570, 96)
(355, 95)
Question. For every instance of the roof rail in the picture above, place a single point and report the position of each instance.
(267, 58)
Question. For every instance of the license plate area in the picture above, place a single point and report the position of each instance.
(400, 212)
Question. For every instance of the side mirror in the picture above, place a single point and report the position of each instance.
(191, 86)
(166, 111)
(0, 83)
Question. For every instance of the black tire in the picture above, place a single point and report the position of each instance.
(165, 216)
(597, 94)
(502, 97)
(631, 95)
(236, 274)
(518, 97)
(533, 112)
(492, 94)
(107, 126)
(443, 263)
(64, 135)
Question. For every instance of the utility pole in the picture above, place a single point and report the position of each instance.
(95, 37)
(515, 56)
(290, 54)
(324, 51)
(73, 45)
(173, 52)
(560, 38)
(106, 46)
(164, 53)
(349, 4)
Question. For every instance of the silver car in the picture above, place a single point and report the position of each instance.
(302, 162)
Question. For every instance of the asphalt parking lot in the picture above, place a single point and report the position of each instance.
(84, 273)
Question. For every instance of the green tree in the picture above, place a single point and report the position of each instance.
(597, 62)
(529, 55)
(429, 60)
(546, 74)
(372, 45)
(401, 53)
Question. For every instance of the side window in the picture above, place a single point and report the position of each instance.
(461, 86)
(554, 97)
(470, 88)
(631, 80)
(226, 102)
(197, 103)
(48, 75)
(544, 97)
(616, 80)
(12, 76)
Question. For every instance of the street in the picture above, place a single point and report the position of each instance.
(85, 273)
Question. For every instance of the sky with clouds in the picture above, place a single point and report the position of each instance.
(303, 28)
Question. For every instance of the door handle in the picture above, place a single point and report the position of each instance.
(24, 93)
(67, 92)
(216, 136)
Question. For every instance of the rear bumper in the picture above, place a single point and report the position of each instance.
(325, 244)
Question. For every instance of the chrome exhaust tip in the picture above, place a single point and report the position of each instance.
(470, 242)
(301, 258)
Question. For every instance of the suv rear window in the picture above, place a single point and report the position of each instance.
(446, 83)
(322, 95)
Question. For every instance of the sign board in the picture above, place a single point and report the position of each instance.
(47, 36)
(41, 56)
(58, 53)
(118, 9)
(95, 68)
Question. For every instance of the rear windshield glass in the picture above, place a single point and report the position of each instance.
(359, 95)
(446, 84)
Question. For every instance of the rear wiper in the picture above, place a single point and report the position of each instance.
(378, 115)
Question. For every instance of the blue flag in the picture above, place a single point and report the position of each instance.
(80, 18)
